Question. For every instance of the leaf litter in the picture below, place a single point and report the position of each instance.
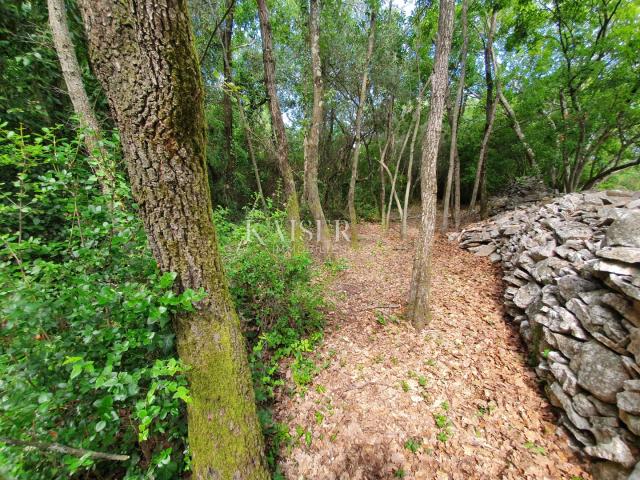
(454, 401)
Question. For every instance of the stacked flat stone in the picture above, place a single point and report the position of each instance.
(572, 285)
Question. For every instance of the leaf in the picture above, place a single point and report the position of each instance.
(100, 425)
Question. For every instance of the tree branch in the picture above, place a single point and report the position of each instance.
(58, 448)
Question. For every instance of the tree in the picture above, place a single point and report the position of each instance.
(312, 141)
(351, 199)
(143, 55)
(226, 36)
(455, 117)
(78, 95)
(479, 185)
(279, 133)
(418, 305)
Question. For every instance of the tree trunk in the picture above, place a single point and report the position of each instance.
(279, 133)
(351, 199)
(455, 117)
(312, 142)
(490, 111)
(252, 154)
(407, 190)
(101, 164)
(226, 35)
(143, 55)
(418, 306)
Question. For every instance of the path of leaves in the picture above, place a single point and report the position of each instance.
(455, 401)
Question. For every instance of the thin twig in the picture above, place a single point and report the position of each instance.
(58, 448)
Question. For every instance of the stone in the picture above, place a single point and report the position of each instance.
(621, 254)
(543, 251)
(631, 421)
(623, 306)
(570, 285)
(625, 232)
(615, 450)
(624, 284)
(568, 346)
(566, 378)
(559, 398)
(526, 295)
(600, 371)
(609, 471)
(632, 385)
(583, 406)
(560, 320)
(629, 402)
(571, 231)
(634, 344)
(613, 266)
(546, 270)
(484, 250)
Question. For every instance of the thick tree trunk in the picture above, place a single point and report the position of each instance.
(103, 167)
(312, 142)
(351, 199)
(142, 53)
(454, 119)
(226, 35)
(418, 306)
(479, 184)
(279, 133)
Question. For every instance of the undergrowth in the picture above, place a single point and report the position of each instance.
(88, 356)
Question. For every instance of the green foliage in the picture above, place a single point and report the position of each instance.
(88, 357)
(278, 302)
(88, 354)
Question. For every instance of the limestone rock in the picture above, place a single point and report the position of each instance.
(629, 402)
(600, 371)
(625, 232)
(526, 295)
(621, 254)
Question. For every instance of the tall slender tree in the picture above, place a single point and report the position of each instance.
(312, 141)
(226, 36)
(455, 116)
(479, 185)
(279, 133)
(105, 170)
(143, 54)
(418, 305)
(351, 199)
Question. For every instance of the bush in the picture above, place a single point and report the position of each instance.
(88, 355)
(278, 303)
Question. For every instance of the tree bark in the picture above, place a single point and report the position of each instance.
(279, 133)
(102, 166)
(312, 142)
(351, 199)
(418, 305)
(143, 54)
(490, 110)
(454, 119)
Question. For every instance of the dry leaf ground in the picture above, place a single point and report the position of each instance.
(455, 401)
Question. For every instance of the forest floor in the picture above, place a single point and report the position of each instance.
(455, 401)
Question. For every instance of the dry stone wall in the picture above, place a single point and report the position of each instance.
(572, 276)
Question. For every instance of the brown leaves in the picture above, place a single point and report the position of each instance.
(384, 382)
